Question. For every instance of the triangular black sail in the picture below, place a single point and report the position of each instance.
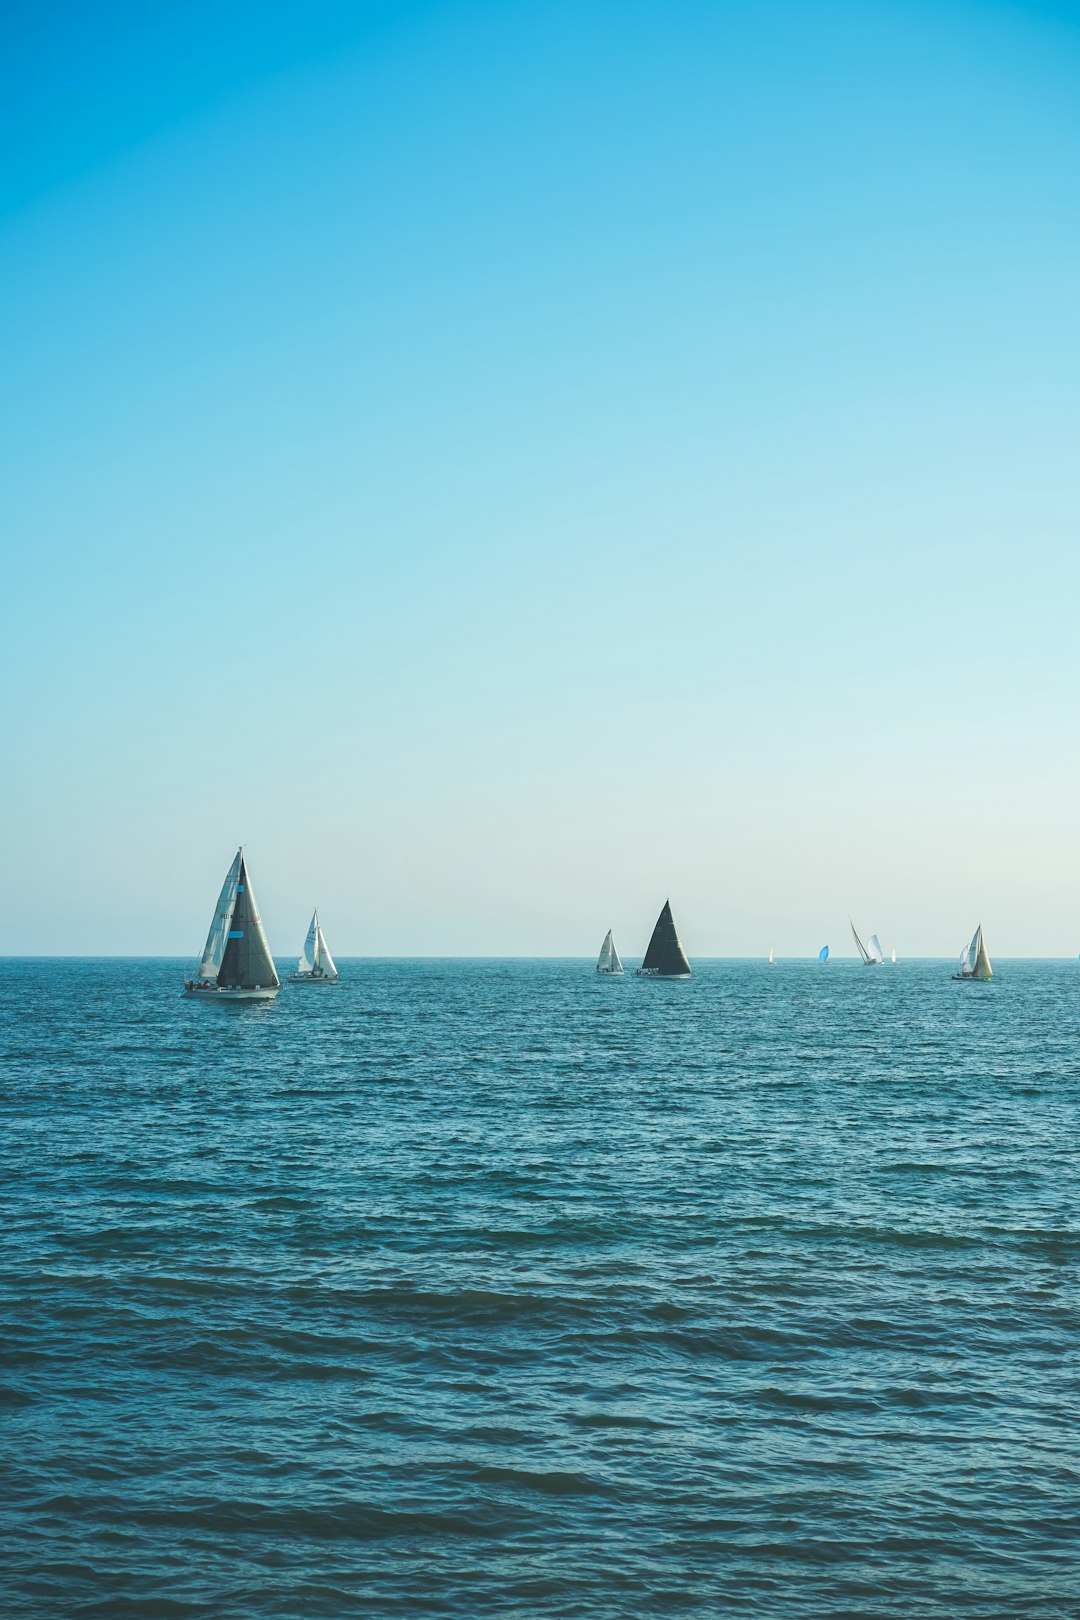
(665, 956)
(247, 962)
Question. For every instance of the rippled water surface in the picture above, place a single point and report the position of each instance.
(475, 1288)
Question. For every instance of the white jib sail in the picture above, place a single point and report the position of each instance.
(214, 949)
(607, 952)
(324, 959)
(873, 946)
(258, 932)
(308, 954)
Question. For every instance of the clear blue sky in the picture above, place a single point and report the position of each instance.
(511, 463)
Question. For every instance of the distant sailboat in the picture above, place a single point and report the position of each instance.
(871, 953)
(665, 957)
(608, 960)
(823, 954)
(894, 955)
(974, 961)
(771, 956)
(236, 962)
(316, 965)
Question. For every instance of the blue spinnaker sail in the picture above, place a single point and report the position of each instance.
(823, 954)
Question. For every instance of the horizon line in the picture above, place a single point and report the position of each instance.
(505, 956)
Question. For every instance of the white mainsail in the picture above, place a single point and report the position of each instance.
(216, 939)
(608, 960)
(873, 945)
(309, 954)
(973, 950)
(771, 957)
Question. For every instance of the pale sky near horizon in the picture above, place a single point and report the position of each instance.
(510, 464)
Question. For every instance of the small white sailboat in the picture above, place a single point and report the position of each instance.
(974, 961)
(871, 953)
(894, 956)
(608, 960)
(772, 957)
(236, 962)
(316, 965)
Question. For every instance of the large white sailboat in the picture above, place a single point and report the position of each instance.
(236, 962)
(871, 953)
(608, 960)
(316, 965)
(974, 961)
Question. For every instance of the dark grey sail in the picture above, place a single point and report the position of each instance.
(247, 963)
(665, 957)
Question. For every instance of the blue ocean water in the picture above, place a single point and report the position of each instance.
(501, 1289)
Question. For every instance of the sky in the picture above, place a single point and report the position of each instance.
(510, 464)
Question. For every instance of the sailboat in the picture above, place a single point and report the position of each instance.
(823, 954)
(772, 958)
(894, 956)
(871, 953)
(665, 957)
(236, 962)
(608, 960)
(316, 965)
(974, 962)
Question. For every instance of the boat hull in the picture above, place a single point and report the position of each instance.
(610, 973)
(260, 993)
(651, 973)
(313, 978)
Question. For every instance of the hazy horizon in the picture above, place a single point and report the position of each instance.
(512, 465)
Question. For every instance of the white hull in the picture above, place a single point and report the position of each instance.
(651, 973)
(314, 978)
(219, 996)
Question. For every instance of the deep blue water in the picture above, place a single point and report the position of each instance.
(492, 1289)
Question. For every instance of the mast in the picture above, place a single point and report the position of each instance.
(863, 952)
(665, 956)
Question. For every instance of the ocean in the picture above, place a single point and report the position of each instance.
(495, 1288)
